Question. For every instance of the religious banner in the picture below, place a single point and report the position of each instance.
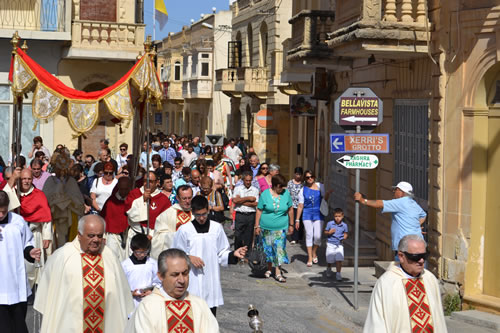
(51, 96)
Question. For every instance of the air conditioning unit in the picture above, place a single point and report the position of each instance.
(214, 140)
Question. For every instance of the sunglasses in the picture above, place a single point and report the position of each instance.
(264, 168)
(415, 257)
(125, 173)
(108, 172)
(309, 177)
(123, 149)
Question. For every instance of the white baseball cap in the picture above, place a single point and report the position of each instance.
(405, 187)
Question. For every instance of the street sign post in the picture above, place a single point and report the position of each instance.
(360, 161)
(359, 143)
(358, 110)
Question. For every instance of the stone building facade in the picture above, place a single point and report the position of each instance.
(435, 65)
(253, 75)
(187, 61)
(87, 44)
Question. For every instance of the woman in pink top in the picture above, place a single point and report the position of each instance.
(265, 182)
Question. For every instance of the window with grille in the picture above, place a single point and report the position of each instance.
(234, 54)
(411, 146)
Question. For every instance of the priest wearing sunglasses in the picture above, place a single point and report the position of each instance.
(406, 297)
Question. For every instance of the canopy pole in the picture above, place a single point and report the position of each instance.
(147, 159)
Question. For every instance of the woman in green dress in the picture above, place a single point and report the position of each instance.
(273, 217)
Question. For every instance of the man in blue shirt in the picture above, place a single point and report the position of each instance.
(167, 153)
(407, 215)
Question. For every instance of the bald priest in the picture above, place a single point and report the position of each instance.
(83, 287)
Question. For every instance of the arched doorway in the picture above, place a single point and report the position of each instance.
(249, 123)
(89, 142)
(482, 132)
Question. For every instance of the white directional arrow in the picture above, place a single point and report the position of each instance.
(360, 161)
(353, 119)
(336, 143)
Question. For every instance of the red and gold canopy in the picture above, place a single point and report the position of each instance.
(51, 95)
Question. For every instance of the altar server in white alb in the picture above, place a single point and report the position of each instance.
(16, 244)
(83, 287)
(171, 308)
(406, 297)
(141, 270)
(207, 246)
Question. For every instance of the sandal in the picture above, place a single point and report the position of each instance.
(267, 274)
(315, 260)
(309, 264)
(280, 278)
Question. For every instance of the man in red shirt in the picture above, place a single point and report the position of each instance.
(36, 211)
(115, 215)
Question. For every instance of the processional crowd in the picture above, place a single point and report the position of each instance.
(135, 243)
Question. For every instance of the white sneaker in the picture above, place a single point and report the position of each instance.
(329, 273)
(338, 276)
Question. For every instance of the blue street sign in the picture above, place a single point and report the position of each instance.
(359, 143)
(337, 143)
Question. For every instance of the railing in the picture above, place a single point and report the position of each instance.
(406, 11)
(38, 15)
(310, 29)
(94, 34)
(244, 3)
(256, 75)
(174, 90)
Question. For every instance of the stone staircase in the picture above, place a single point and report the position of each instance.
(367, 249)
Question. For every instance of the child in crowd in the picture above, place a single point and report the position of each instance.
(336, 231)
(140, 269)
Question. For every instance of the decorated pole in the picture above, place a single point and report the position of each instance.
(147, 49)
(17, 115)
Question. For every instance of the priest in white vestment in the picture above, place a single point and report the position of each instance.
(406, 297)
(168, 222)
(207, 246)
(172, 308)
(83, 287)
(16, 245)
(136, 207)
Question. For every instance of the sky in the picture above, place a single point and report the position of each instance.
(180, 12)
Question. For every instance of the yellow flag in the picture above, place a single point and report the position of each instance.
(161, 13)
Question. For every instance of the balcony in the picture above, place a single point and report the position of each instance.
(252, 81)
(310, 30)
(97, 40)
(174, 93)
(36, 19)
(200, 88)
(384, 28)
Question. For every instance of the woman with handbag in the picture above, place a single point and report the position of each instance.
(273, 217)
(310, 202)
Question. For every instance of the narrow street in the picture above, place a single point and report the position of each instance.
(293, 306)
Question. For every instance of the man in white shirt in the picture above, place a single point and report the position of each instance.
(245, 198)
(188, 155)
(233, 152)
